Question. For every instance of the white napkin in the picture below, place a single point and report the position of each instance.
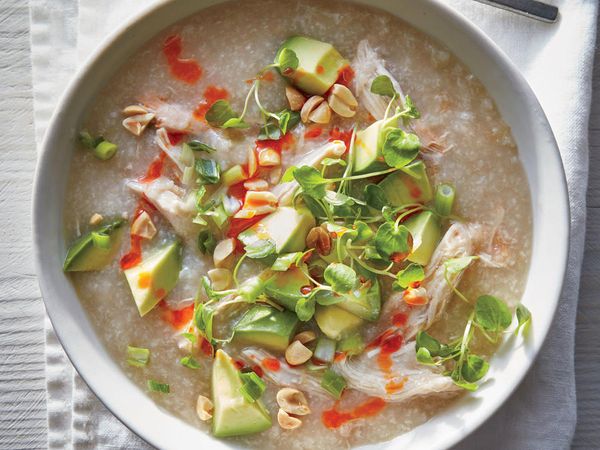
(556, 59)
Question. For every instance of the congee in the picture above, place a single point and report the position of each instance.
(298, 224)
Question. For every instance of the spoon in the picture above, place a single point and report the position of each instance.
(530, 8)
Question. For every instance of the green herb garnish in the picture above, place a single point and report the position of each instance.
(190, 362)
(137, 356)
(411, 273)
(252, 387)
(333, 383)
(208, 170)
(155, 386)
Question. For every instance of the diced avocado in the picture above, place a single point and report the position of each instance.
(319, 64)
(426, 231)
(335, 322)
(284, 287)
(364, 302)
(352, 345)
(266, 327)
(152, 279)
(401, 188)
(287, 228)
(90, 253)
(367, 152)
(233, 415)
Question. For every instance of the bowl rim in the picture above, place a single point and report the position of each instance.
(106, 47)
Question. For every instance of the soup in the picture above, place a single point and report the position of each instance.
(315, 235)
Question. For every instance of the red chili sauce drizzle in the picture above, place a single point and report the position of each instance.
(236, 226)
(345, 76)
(332, 418)
(284, 142)
(399, 319)
(205, 347)
(313, 132)
(271, 364)
(154, 169)
(177, 318)
(134, 256)
(389, 342)
(186, 70)
(211, 95)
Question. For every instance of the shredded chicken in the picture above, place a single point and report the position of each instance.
(172, 202)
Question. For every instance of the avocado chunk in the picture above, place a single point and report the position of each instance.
(284, 287)
(152, 279)
(367, 150)
(336, 323)
(426, 231)
(287, 227)
(401, 188)
(95, 249)
(319, 64)
(234, 415)
(266, 327)
(364, 302)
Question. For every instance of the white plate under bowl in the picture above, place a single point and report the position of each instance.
(537, 150)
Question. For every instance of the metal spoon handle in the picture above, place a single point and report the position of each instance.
(530, 8)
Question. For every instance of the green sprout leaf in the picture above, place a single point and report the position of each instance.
(390, 240)
(364, 233)
(410, 109)
(206, 242)
(375, 196)
(337, 199)
(382, 85)
(492, 314)
(235, 122)
(287, 61)
(413, 272)
(333, 161)
(219, 113)
(260, 249)
(457, 265)
(285, 261)
(400, 148)
(305, 308)
(424, 357)
(340, 277)
(269, 131)
(523, 319)
(198, 146)
(474, 368)
(327, 298)
(425, 340)
(311, 181)
(288, 175)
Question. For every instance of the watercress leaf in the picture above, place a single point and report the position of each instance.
(424, 357)
(425, 340)
(492, 314)
(410, 110)
(288, 175)
(315, 207)
(252, 289)
(523, 319)
(235, 122)
(382, 85)
(375, 196)
(311, 181)
(364, 233)
(340, 277)
(391, 240)
(372, 254)
(206, 242)
(285, 261)
(294, 119)
(465, 384)
(413, 272)
(337, 199)
(388, 213)
(333, 161)
(270, 131)
(456, 265)
(198, 146)
(474, 368)
(191, 337)
(287, 61)
(305, 308)
(203, 318)
(208, 171)
(219, 113)
(260, 248)
(326, 298)
(400, 148)
(284, 120)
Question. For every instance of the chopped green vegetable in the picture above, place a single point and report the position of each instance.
(198, 146)
(105, 150)
(259, 249)
(252, 387)
(190, 362)
(287, 60)
(137, 356)
(444, 199)
(333, 383)
(206, 242)
(325, 350)
(208, 171)
(155, 386)
(352, 345)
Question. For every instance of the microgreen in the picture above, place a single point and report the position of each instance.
(333, 161)
(492, 314)
(411, 273)
(311, 181)
(287, 61)
(285, 261)
(523, 319)
(375, 196)
(222, 115)
(382, 85)
(260, 249)
(400, 148)
(392, 240)
(340, 277)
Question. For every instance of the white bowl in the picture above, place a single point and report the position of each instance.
(537, 150)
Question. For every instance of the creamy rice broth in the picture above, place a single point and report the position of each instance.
(463, 142)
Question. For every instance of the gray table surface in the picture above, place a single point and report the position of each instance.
(22, 381)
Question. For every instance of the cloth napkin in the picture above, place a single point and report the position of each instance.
(557, 61)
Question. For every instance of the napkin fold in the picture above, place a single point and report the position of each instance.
(557, 61)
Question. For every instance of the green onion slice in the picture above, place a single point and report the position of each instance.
(444, 199)
(137, 356)
(252, 386)
(156, 386)
(333, 383)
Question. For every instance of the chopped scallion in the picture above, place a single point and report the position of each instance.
(156, 386)
(198, 146)
(105, 150)
(190, 362)
(333, 383)
(252, 386)
(444, 199)
(137, 356)
(187, 157)
(188, 175)
(325, 350)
